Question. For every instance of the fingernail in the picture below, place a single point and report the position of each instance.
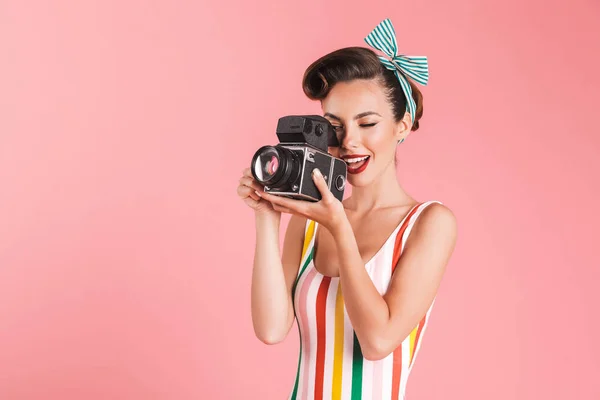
(317, 172)
(257, 193)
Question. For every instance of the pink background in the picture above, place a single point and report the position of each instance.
(125, 255)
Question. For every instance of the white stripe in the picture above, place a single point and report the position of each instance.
(386, 264)
(301, 309)
(367, 379)
(388, 369)
(405, 360)
(377, 272)
(312, 328)
(380, 271)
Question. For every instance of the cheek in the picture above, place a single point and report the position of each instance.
(380, 141)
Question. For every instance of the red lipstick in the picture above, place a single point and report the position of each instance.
(356, 167)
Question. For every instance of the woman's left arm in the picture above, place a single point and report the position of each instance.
(381, 322)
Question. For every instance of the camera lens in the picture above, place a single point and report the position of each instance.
(266, 164)
(275, 166)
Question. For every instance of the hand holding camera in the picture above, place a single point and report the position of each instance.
(298, 175)
(286, 168)
(247, 189)
(329, 211)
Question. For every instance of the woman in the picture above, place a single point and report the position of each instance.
(361, 289)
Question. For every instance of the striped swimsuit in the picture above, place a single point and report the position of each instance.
(330, 364)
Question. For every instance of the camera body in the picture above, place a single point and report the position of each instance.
(286, 168)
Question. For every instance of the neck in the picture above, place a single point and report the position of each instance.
(383, 192)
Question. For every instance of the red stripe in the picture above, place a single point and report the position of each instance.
(398, 245)
(397, 370)
(321, 306)
(419, 329)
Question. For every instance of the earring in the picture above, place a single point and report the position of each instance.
(400, 141)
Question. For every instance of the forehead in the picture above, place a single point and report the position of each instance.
(347, 99)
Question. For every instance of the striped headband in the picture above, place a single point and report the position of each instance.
(383, 38)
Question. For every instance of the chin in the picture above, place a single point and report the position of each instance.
(360, 180)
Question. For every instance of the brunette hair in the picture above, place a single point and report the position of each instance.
(359, 63)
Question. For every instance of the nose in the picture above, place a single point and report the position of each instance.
(350, 137)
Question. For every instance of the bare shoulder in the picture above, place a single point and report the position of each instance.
(436, 224)
(439, 216)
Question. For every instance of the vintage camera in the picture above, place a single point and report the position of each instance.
(285, 169)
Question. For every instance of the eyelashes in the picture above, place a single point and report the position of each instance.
(361, 125)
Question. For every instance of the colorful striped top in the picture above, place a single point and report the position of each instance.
(331, 364)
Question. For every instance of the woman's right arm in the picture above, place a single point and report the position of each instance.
(273, 276)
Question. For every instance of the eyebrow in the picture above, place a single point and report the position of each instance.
(358, 116)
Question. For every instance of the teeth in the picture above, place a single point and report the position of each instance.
(355, 160)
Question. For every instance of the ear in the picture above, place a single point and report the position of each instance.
(403, 127)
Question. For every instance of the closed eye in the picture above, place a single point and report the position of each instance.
(362, 126)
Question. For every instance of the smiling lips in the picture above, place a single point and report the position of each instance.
(356, 163)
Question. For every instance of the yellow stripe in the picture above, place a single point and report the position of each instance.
(413, 336)
(310, 231)
(338, 348)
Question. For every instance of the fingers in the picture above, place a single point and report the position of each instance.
(282, 209)
(251, 202)
(248, 188)
(245, 191)
(252, 194)
(293, 206)
(250, 182)
(322, 185)
(247, 172)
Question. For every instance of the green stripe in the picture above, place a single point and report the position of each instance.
(357, 370)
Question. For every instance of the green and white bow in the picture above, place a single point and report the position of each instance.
(383, 38)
